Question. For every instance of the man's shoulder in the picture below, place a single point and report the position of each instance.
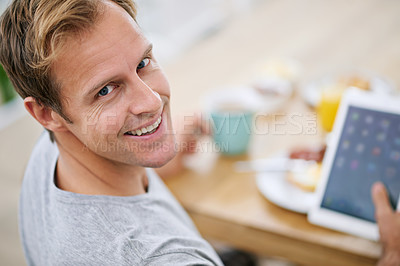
(117, 233)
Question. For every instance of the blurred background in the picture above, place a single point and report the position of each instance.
(208, 44)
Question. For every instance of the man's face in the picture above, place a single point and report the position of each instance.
(113, 87)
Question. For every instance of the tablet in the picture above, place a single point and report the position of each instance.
(364, 147)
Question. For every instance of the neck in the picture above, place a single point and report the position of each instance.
(82, 171)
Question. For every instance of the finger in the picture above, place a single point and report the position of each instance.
(201, 125)
(192, 146)
(206, 127)
(381, 201)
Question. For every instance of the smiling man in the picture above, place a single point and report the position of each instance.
(88, 75)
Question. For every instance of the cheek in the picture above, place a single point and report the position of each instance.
(99, 120)
(108, 123)
(93, 114)
(111, 125)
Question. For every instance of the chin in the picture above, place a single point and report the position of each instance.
(160, 157)
(160, 160)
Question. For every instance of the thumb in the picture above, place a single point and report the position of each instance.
(381, 201)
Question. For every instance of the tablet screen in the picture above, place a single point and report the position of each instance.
(368, 151)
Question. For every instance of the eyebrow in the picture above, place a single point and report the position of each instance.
(99, 84)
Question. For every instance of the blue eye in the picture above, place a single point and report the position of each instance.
(106, 90)
(143, 63)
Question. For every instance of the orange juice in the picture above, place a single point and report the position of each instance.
(328, 105)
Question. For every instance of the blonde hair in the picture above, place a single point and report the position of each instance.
(32, 33)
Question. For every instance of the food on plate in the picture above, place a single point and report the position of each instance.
(355, 81)
(309, 154)
(308, 179)
(343, 82)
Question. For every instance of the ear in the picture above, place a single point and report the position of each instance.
(46, 116)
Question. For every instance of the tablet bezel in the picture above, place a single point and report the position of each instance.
(330, 218)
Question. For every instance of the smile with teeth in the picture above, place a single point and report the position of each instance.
(145, 130)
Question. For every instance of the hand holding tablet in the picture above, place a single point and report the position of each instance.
(365, 148)
(389, 225)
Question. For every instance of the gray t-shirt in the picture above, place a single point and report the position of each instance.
(64, 228)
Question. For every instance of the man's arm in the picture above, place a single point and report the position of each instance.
(389, 226)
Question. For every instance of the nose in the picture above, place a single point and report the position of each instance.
(144, 100)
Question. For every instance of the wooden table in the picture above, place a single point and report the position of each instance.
(227, 206)
(323, 36)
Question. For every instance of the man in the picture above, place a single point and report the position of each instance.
(88, 75)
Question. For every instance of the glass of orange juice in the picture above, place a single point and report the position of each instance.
(328, 104)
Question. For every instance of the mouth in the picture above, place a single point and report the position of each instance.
(145, 130)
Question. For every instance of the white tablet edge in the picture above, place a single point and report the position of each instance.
(329, 218)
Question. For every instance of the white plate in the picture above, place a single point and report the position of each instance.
(275, 187)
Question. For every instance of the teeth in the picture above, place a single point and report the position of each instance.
(145, 130)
